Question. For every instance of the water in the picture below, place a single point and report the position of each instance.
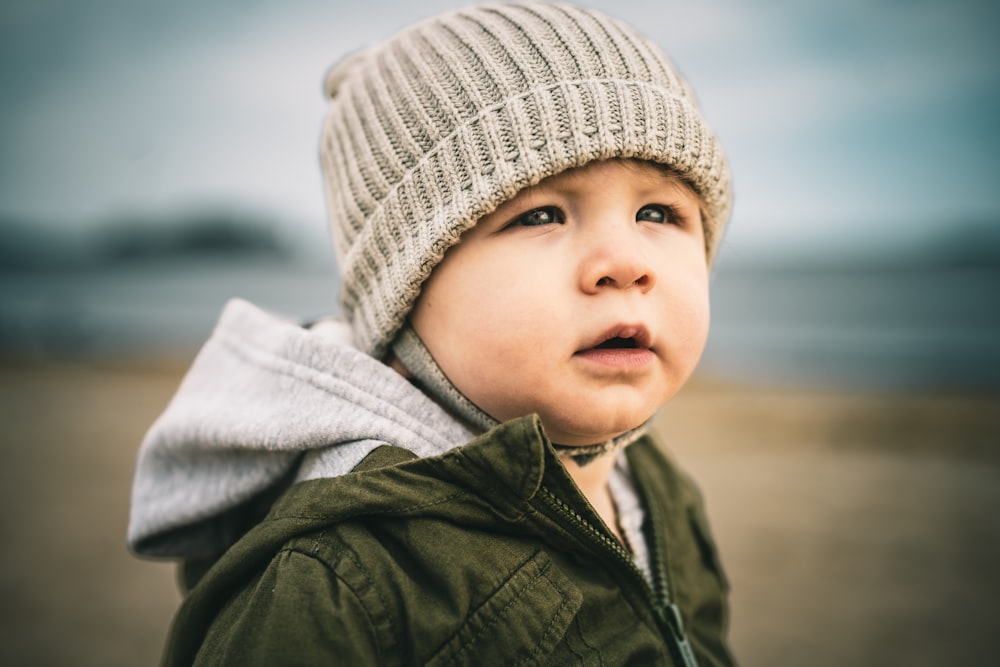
(902, 328)
(164, 308)
(867, 328)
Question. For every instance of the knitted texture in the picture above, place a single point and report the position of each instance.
(436, 127)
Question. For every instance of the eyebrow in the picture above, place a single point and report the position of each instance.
(669, 174)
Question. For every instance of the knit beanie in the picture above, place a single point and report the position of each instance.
(434, 128)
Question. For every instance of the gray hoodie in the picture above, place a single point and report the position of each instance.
(263, 398)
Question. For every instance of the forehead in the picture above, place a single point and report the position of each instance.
(640, 173)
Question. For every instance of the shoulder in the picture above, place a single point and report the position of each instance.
(295, 611)
(425, 595)
(454, 576)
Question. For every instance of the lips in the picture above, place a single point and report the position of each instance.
(628, 336)
(621, 348)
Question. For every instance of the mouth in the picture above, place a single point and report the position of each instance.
(622, 337)
(616, 343)
(621, 349)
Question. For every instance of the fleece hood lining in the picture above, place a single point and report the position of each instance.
(263, 396)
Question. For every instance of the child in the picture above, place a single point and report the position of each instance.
(525, 201)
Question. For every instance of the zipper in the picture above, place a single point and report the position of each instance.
(670, 616)
(666, 612)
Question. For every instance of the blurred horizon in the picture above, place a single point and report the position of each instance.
(151, 287)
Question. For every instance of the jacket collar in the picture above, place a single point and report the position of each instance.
(497, 474)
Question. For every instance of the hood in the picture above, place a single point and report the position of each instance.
(265, 403)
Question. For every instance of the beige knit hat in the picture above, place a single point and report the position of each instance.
(436, 127)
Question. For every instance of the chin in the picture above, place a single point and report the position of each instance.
(580, 435)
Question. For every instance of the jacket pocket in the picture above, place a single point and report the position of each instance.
(520, 624)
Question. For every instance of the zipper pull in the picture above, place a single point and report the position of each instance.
(671, 616)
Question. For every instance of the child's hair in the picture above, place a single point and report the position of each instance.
(436, 127)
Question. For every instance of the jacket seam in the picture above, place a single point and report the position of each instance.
(583, 638)
(552, 620)
(343, 517)
(346, 552)
(502, 612)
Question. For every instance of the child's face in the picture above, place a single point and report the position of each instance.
(519, 314)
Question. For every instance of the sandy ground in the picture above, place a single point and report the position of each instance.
(856, 529)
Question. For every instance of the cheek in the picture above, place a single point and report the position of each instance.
(685, 307)
(502, 324)
(496, 290)
(474, 311)
(693, 316)
(487, 332)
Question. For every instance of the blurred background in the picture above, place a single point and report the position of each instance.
(158, 158)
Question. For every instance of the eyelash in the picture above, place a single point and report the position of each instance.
(547, 215)
(668, 214)
(536, 217)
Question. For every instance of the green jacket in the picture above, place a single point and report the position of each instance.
(486, 555)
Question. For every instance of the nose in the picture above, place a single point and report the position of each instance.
(616, 261)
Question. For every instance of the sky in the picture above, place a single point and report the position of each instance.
(849, 123)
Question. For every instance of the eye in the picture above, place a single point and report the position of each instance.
(546, 215)
(657, 213)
